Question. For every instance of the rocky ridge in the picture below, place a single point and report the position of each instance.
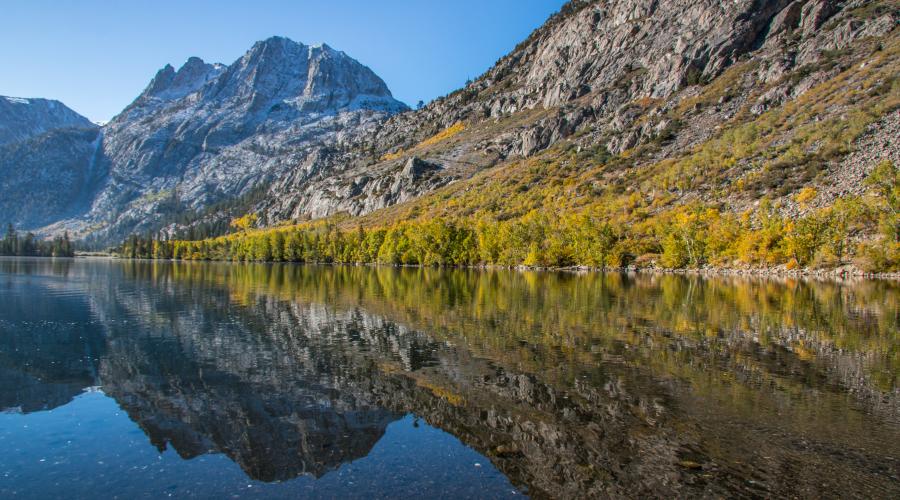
(47, 161)
(22, 119)
(208, 132)
(196, 135)
(607, 73)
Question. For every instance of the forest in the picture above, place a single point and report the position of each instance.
(14, 244)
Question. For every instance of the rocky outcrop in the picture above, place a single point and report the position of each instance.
(22, 119)
(170, 85)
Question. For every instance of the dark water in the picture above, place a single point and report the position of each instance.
(136, 379)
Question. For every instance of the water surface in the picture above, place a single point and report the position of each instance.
(149, 379)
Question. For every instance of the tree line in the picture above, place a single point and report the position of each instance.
(28, 245)
(688, 236)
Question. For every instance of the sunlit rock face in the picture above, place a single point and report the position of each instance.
(582, 77)
(196, 135)
(208, 132)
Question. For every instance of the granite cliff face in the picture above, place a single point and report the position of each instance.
(604, 73)
(208, 132)
(47, 161)
(196, 135)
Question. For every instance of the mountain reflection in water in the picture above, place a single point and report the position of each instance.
(570, 385)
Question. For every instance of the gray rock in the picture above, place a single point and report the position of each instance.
(209, 132)
(48, 162)
(416, 168)
(22, 119)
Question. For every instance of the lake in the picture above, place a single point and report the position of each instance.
(138, 379)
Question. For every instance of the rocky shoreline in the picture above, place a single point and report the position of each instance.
(841, 273)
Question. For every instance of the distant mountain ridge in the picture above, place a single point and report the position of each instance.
(24, 118)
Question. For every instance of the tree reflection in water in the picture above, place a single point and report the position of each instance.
(572, 385)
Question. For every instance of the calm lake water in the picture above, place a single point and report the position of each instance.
(215, 380)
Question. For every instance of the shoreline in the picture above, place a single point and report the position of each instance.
(838, 274)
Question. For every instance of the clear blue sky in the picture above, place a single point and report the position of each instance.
(96, 56)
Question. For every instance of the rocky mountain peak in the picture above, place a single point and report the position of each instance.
(324, 133)
(208, 132)
(194, 74)
(281, 72)
(21, 118)
(170, 85)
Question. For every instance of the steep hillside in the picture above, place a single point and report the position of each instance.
(677, 134)
(22, 119)
(615, 74)
(47, 161)
(48, 177)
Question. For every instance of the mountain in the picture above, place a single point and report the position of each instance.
(21, 119)
(209, 132)
(47, 160)
(668, 134)
(662, 107)
(195, 136)
(610, 74)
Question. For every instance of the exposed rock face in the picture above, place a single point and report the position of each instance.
(47, 161)
(584, 72)
(22, 119)
(170, 85)
(208, 132)
(203, 133)
(50, 176)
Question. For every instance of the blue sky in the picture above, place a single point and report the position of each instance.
(96, 56)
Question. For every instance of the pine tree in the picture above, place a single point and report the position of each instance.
(67, 246)
(10, 241)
